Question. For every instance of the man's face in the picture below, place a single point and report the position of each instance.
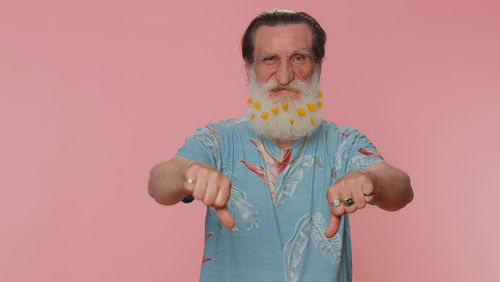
(283, 53)
(284, 83)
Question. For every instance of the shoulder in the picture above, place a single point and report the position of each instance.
(342, 140)
(228, 127)
(224, 130)
(331, 130)
(345, 131)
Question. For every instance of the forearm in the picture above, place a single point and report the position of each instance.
(166, 181)
(392, 187)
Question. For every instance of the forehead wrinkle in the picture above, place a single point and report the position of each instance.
(279, 46)
(280, 39)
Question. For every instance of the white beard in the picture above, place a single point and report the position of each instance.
(277, 126)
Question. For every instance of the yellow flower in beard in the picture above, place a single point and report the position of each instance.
(256, 105)
(275, 110)
(320, 104)
(312, 120)
(249, 100)
(301, 111)
(320, 94)
(264, 115)
(252, 116)
(284, 106)
(291, 120)
(311, 107)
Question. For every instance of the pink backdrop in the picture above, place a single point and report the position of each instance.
(95, 93)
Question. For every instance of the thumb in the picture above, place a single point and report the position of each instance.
(333, 226)
(225, 217)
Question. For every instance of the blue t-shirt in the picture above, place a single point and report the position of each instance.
(281, 211)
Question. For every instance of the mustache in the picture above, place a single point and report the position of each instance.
(294, 85)
(281, 87)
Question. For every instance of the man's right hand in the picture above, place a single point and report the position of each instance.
(211, 187)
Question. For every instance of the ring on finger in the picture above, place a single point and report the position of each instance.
(368, 195)
(348, 201)
(335, 203)
(190, 181)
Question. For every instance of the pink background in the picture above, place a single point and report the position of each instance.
(95, 93)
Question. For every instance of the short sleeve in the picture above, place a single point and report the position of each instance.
(361, 153)
(202, 146)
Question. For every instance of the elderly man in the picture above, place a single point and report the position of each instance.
(279, 182)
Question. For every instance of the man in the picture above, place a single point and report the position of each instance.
(279, 182)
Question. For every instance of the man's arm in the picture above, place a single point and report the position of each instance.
(389, 188)
(166, 181)
(167, 185)
(392, 188)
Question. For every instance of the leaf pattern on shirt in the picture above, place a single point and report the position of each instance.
(371, 152)
(330, 248)
(272, 169)
(212, 214)
(208, 136)
(311, 225)
(318, 162)
(236, 121)
(291, 178)
(341, 155)
(237, 202)
(248, 213)
(292, 252)
(212, 130)
(206, 259)
(365, 158)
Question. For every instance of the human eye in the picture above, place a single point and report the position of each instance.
(270, 60)
(298, 58)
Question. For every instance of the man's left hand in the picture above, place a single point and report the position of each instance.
(350, 193)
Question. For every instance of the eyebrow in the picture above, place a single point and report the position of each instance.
(305, 52)
(302, 52)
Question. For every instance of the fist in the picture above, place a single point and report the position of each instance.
(348, 194)
(211, 187)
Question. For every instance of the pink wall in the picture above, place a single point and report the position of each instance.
(92, 95)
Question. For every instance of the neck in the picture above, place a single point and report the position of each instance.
(284, 144)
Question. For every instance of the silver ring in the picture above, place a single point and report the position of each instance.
(348, 201)
(368, 195)
(190, 181)
(335, 203)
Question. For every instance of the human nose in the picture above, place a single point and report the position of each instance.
(284, 74)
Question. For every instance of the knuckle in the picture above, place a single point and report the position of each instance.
(197, 195)
(330, 192)
(225, 180)
(213, 175)
(208, 202)
(195, 167)
(367, 181)
(338, 212)
(363, 178)
(218, 204)
(351, 209)
(225, 183)
(202, 172)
